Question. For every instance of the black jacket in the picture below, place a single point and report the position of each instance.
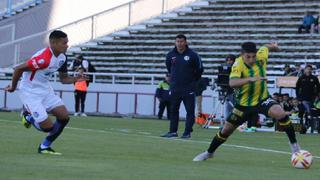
(307, 88)
(185, 69)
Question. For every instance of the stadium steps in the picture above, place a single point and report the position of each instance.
(214, 30)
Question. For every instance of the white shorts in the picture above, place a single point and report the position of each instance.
(39, 105)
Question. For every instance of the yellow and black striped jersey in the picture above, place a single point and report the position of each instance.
(252, 93)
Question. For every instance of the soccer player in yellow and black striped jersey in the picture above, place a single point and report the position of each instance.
(248, 78)
(250, 94)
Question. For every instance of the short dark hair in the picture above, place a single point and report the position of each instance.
(286, 94)
(79, 56)
(249, 47)
(181, 36)
(57, 34)
(231, 57)
(308, 65)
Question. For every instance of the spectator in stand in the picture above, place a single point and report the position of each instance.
(298, 71)
(280, 100)
(230, 100)
(290, 100)
(287, 70)
(286, 105)
(297, 113)
(317, 24)
(185, 68)
(308, 21)
(162, 93)
(307, 88)
(275, 96)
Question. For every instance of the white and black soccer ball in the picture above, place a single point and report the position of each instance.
(301, 159)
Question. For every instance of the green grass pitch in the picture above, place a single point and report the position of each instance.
(115, 149)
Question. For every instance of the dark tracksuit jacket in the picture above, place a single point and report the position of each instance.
(307, 88)
(185, 69)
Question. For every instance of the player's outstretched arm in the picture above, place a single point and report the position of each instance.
(235, 83)
(66, 79)
(18, 70)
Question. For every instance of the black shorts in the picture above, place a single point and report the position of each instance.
(241, 114)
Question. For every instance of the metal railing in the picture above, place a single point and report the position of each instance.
(90, 27)
(124, 78)
(116, 109)
(110, 78)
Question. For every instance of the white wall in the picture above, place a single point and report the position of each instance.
(107, 101)
(126, 102)
(65, 12)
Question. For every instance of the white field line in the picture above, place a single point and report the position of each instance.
(128, 132)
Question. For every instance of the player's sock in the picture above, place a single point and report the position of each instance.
(216, 142)
(36, 125)
(43, 146)
(288, 128)
(57, 129)
(291, 133)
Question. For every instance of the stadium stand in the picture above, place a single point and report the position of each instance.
(9, 8)
(215, 28)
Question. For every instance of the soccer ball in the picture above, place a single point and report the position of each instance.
(301, 159)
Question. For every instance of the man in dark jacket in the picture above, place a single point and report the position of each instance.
(307, 88)
(185, 68)
(162, 93)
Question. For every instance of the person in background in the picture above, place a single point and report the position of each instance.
(285, 103)
(297, 113)
(308, 22)
(316, 104)
(162, 93)
(280, 100)
(185, 68)
(287, 70)
(275, 96)
(307, 88)
(298, 71)
(201, 85)
(80, 94)
(80, 62)
(317, 24)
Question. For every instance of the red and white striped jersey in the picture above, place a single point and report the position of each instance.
(42, 64)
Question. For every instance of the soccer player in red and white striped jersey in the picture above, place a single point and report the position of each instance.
(36, 93)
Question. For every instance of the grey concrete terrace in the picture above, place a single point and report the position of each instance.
(214, 31)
